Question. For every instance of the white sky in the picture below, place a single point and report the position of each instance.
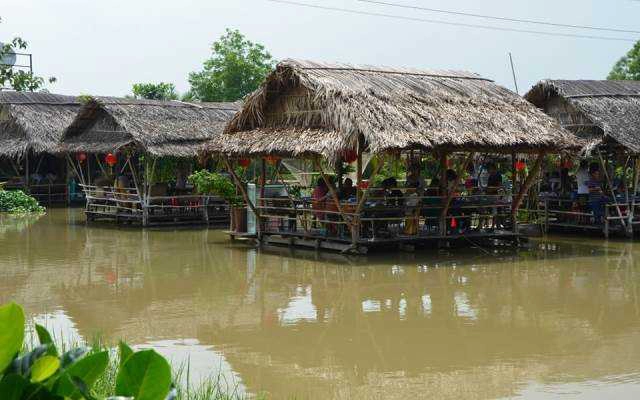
(103, 47)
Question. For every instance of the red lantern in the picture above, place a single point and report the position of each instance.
(349, 156)
(273, 160)
(454, 223)
(520, 165)
(244, 162)
(363, 185)
(568, 164)
(110, 159)
(81, 157)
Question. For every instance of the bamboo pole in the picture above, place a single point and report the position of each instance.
(613, 194)
(527, 185)
(359, 171)
(634, 188)
(332, 190)
(450, 193)
(240, 186)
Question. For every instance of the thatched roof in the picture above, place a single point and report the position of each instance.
(160, 128)
(315, 108)
(34, 121)
(612, 106)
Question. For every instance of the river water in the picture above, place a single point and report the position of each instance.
(557, 320)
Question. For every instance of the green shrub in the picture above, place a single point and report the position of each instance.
(213, 183)
(18, 202)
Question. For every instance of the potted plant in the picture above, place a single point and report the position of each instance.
(212, 183)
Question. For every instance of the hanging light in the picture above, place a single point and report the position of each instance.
(520, 165)
(244, 162)
(110, 159)
(81, 157)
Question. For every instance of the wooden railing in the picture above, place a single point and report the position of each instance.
(125, 205)
(386, 218)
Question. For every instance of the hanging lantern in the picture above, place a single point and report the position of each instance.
(244, 162)
(568, 164)
(110, 159)
(81, 157)
(454, 223)
(520, 165)
(349, 156)
(273, 160)
(363, 185)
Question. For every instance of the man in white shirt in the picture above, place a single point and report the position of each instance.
(582, 176)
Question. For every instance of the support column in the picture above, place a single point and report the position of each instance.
(524, 188)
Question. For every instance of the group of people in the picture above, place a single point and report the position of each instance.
(389, 201)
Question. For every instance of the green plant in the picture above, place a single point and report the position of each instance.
(18, 202)
(154, 91)
(213, 183)
(46, 374)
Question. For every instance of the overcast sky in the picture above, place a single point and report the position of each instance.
(103, 47)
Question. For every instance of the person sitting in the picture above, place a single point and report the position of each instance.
(348, 190)
(412, 209)
(319, 198)
(582, 177)
(393, 196)
(494, 181)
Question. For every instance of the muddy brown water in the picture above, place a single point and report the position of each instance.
(558, 320)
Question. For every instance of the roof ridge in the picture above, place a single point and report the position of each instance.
(306, 65)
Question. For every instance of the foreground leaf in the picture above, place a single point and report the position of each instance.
(22, 365)
(125, 352)
(11, 333)
(43, 368)
(73, 355)
(146, 375)
(45, 338)
(12, 386)
(88, 370)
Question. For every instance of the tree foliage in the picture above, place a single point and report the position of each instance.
(628, 67)
(155, 91)
(236, 68)
(15, 78)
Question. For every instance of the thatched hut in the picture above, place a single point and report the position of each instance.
(140, 134)
(606, 115)
(31, 128)
(318, 110)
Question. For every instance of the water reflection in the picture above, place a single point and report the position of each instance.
(461, 324)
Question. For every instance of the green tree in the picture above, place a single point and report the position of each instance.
(628, 67)
(236, 68)
(15, 78)
(155, 91)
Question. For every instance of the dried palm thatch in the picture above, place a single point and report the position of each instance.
(159, 128)
(34, 122)
(596, 110)
(314, 108)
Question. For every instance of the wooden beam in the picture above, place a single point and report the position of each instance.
(450, 193)
(537, 166)
(332, 190)
(613, 194)
(240, 187)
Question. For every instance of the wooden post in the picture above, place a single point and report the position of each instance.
(443, 189)
(359, 192)
(240, 186)
(533, 174)
(26, 171)
(634, 190)
(613, 194)
(450, 194)
(332, 190)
